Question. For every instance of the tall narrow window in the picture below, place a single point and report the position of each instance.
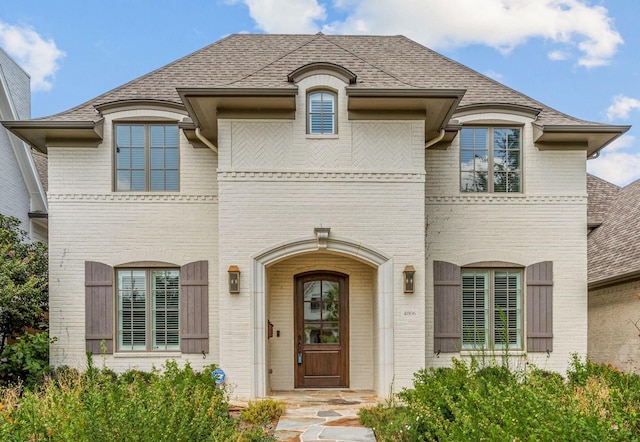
(148, 309)
(491, 309)
(321, 107)
(490, 159)
(147, 157)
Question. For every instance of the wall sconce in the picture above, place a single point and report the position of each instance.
(234, 279)
(407, 276)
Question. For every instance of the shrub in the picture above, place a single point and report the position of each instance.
(169, 404)
(469, 402)
(27, 360)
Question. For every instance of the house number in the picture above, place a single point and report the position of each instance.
(409, 313)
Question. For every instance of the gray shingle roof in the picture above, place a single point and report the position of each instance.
(263, 61)
(601, 194)
(614, 247)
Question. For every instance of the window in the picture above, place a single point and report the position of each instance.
(499, 147)
(321, 107)
(147, 157)
(148, 309)
(491, 309)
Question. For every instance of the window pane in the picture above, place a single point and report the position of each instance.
(157, 136)
(137, 158)
(157, 180)
(171, 158)
(137, 136)
(123, 180)
(507, 314)
(123, 158)
(157, 158)
(474, 312)
(137, 180)
(506, 159)
(330, 333)
(171, 180)
(321, 113)
(164, 286)
(123, 136)
(132, 309)
(171, 136)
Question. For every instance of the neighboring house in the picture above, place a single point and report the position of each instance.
(316, 211)
(614, 273)
(22, 193)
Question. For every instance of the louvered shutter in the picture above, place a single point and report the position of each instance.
(194, 307)
(540, 307)
(447, 308)
(98, 289)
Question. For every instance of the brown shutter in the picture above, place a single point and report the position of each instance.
(194, 307)
(446, 290)
(540, 307)
(98, 306)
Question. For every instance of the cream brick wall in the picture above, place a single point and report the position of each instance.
(90, 222)
(614, 312)
(547, 222)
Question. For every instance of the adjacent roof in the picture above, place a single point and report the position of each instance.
(260, 61)
(614, 246)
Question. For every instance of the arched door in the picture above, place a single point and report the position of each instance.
(322, 330)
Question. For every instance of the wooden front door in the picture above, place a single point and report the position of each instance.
(322, 330)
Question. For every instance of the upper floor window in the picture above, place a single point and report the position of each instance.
(491, 309)
(490, 159)
(147, 157)
(321, 107)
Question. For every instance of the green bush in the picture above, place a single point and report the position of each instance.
(171, 404)
(27, 360)
(470, 402)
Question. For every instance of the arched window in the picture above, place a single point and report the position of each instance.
(321, 108)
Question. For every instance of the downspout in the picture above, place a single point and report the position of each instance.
(432, 141)
(206, 142)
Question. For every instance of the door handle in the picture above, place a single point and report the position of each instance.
(299, 349)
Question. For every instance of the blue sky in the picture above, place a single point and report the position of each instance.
(581, 57)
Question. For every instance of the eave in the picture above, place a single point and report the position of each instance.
(591, 138)
(434, 106)
(207, 105)
(42, 134)
(613, 280)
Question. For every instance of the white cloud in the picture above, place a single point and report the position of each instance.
(622, 107)
(557, 55)
(502, 24)
(615, 165)
(286, 16)
(37, 56)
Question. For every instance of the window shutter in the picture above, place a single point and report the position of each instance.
(539, 307)
(98, 313)
(446, 288)
(194, 307)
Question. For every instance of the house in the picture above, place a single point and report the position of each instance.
(316, 211)
(614, 273)
(22, 192)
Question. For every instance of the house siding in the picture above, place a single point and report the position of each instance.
(14, 194)
(613, 317)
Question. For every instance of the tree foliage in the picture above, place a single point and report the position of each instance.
(24, 291)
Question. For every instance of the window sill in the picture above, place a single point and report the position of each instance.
(322, 137)
(148, 354)
(492, 353)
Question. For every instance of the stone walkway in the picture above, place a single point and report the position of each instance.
(324, 415)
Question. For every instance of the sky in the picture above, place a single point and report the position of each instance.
(581, 57)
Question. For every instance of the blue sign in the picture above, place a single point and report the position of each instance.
(218, 375)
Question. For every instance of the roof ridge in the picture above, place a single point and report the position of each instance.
(366, 61)
(312, 37)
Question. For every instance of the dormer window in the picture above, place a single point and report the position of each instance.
(321, 108)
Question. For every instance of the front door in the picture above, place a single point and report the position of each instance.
(322, 330)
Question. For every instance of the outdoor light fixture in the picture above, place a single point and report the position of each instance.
(407, 277)
(234, 279)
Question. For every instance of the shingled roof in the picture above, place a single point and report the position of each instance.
(614, 246)
(264, 61)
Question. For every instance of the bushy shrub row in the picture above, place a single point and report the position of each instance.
(472, 401)
(171, 404)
